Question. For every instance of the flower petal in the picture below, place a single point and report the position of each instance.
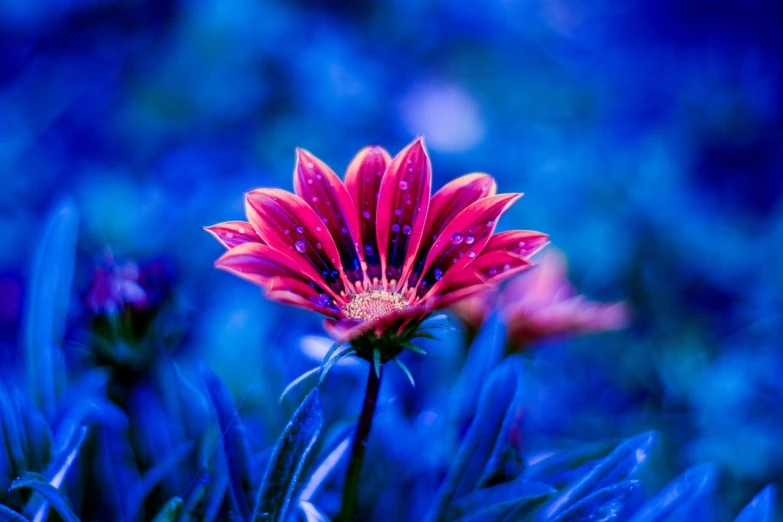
(233, 233)
(347, 330)
(524, 243)
(302, 295)
(463, 239)
(320, 188)
(363, 181)
(445, 204)
(403, 202)
(288, 224)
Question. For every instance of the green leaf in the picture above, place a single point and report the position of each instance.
(299, 379)
(426, 335)
(234, 439)
(376, 362)
(170, 511)
(9, 515)
(54, 496)
(405, 370)
(332, 350)
(412, 347)
(287, 460)
(47, 302)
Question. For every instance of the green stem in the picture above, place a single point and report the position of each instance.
(359, 446)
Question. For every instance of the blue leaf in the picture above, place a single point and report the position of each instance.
(624, 462)
(488, 503)
(604, 505)
(47, 302)
(9, 515)
(56, 472)
(484, 354)
(312, 513)
(215, 498)
(326, 468)
(563, 466)
(761, 508)
(170, 511)
(38, 435)
(301, 378)
(197, 490)
(235, 442)
(155, 475)
(54, 496)
(687, 497)
(287, 460)
(501, 399)
(10, 436)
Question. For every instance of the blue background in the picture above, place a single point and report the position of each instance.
(646, 136)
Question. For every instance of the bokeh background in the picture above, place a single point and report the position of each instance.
(646, 136)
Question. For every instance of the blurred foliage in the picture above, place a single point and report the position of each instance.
(645, 134)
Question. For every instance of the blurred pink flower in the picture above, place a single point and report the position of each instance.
(114, 287)
(543, 304)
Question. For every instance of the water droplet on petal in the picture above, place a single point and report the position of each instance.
(406, 229)
(469, 240)
(314, 199)
(368, 249)
(324, 300)
(317, 229)
(286, 231)
(438, 274)
(241, 230)
(490, 222)
(344, 230)
(366, 214)
(310, 164)
(403, 185)
(395, 227)
(301, 246)
(318, 246)
(471, 254)
(493, 271)
(310, 181)
(397, 212)
(300, 229)
(318, 176)
(456, 239)
(229, 235)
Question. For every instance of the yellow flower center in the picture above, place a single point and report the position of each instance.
(372, 304)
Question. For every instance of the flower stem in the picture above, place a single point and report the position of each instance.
(351, 487)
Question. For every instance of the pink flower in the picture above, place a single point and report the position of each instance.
(114, 287)
(375, 253)
(543, 304)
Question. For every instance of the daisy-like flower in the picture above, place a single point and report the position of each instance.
(542, 304)
(376, 253)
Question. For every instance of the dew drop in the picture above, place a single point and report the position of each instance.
(241, 230)
(318, 176)
(310, 164)
(403, 185)
(300, 229)
(325, 220)
(286, 231)
(335, 274)
(456, 239)
(310, 181)
(301, 246)
(314, 199)
(318, 245)
(490, 222)
(366, 214)
(312, 285)
(229, 235)
(438, 274)
(324, 300)
(368, 249)
(454, 260)
(317, 229)
(397, 212)
(406, 229)
(506, 267)
(471, 254)
(395, 227)
(493, 271)
(469, 240)
(344, 230)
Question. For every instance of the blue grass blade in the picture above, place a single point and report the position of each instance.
(623, 463)
(47, 302)
(500, 399)
(155, 475)
(687, 497)
(312, 513)
(170, 511)
(489, 503)
(9, 515)
(301, 378)
(235, 444)
(761, 508)
(214, 499)
(288, 459)
(38, 435)
(326, 468)
(56, 473)
(57, 498)
(197, 491)
(10, 435)
(605, 505)
(484, 354)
